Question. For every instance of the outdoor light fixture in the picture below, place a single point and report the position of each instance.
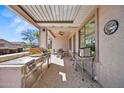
(61, 33)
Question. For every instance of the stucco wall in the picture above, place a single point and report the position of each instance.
(60, 42)
(110, 69)
(43, 38)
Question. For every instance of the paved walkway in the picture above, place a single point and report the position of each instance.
(61, 74)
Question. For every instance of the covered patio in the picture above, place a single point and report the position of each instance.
(59, 23)
(78, 33)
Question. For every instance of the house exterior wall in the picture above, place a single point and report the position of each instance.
(111, 48)
(60, 43)
(109, 68)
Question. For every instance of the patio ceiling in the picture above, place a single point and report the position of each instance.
(55, 17)
(52, 14)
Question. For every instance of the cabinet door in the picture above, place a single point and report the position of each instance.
(31, 79)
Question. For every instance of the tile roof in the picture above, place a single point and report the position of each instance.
(4, 44)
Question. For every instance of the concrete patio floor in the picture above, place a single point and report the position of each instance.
(61, 74)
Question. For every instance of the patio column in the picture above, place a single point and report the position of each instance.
(43, 37)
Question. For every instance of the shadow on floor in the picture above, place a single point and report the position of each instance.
(64, 76)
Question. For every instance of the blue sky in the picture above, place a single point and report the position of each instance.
(12, 25)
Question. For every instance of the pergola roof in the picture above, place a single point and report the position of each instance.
(55, 17)
(53, 13)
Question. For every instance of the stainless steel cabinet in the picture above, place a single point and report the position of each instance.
(22, 75)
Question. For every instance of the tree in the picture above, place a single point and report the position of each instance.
(37, 35)
(28, 35)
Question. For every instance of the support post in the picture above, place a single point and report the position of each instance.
(43, 36)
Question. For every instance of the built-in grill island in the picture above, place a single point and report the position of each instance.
(23, 72)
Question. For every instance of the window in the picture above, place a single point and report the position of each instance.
(70, 44)
(87, 35)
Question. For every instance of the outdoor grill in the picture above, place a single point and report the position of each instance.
(23, 72)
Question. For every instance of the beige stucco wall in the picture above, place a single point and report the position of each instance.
(60, 43)
(111, 48)
(43, 38)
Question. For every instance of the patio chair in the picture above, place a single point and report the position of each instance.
(60, 53)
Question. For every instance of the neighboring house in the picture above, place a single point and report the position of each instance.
(7, 47)
(22, 44)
